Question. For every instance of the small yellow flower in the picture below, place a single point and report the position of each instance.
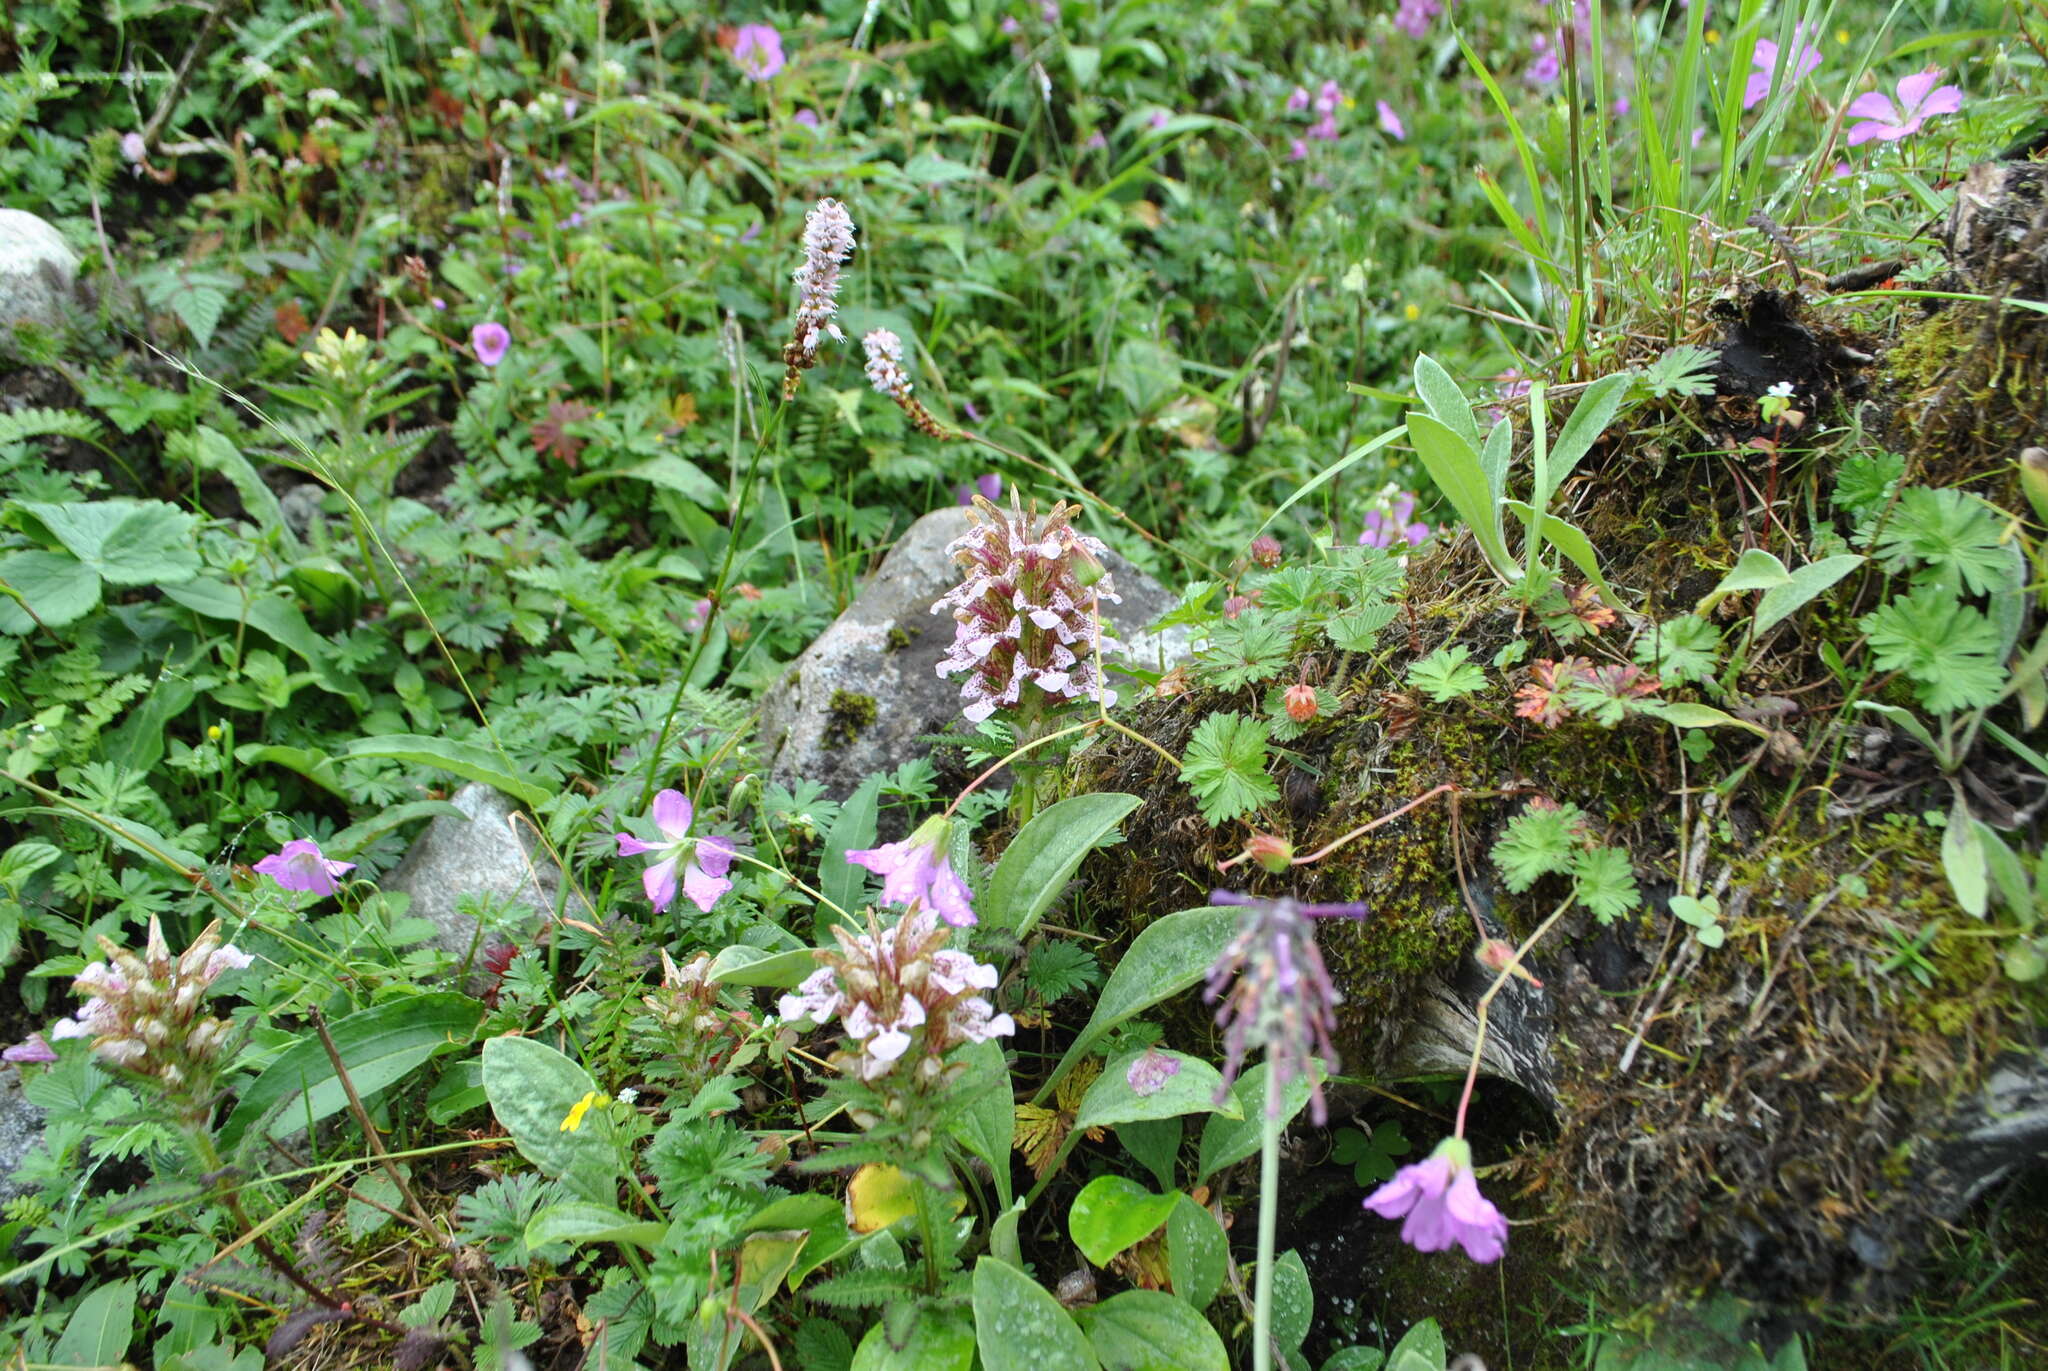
(1413, 312)
(1713, 37)
(1842, 37)
(213, 733)
(574, 1119)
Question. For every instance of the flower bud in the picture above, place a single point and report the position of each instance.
(1496, 955)
(1265, 551)
(1302, 704)
(1270, 851)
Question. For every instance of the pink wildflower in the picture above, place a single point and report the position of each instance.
(1440, 1204)
(1383, 528)
(1414, 16)
(917, 873)
(1390, 122)
(710, 857)
(1765, 59)
(36, 1049)
(1297, 100)
(1297, 151)
(1919, 101)
(301, 865)
(757, 48)
(1149, 1072)
(491, 341)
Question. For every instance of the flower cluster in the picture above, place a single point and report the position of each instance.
(1280, 996)
(989, 486)
(708, 858)
(903, 997)
(917, 874)
(701, 1032)
(143, 1012)
(1440, 1204)
(1026, 610)
(1394, 522)
(828, 242)
(1415, 16)
(886, 374)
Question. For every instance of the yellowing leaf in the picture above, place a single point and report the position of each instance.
(879, 1195)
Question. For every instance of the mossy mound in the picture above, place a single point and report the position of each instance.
(1784, 1096)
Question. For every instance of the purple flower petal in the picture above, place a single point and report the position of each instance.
(672, 814)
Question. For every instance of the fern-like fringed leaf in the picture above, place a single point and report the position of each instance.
(860, 1289)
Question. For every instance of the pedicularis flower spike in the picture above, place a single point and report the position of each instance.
(828, 242)
(898, 988)
(1026, 612)
(143, 1012)
(887, 376)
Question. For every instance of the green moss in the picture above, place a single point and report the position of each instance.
(898, 638)
(848, 714)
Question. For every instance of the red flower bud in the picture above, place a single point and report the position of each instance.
(1301, 702)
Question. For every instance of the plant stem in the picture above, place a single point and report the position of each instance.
(1269, 1223)
(1479, 1038)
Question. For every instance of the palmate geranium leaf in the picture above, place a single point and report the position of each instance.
(1949, 539)
(1949, 650)
(1445, 674)
(1680, 649)
(1226, 767)
(1540, 841)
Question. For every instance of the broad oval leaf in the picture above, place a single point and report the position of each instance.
(379, 1045)
(532, 1088)
(1113, 1214)
(1226, 1140)
(576, 1223)
(1043, 857)
(1148, 1330)
(466, 760)
(1801, 586)
(1019, 1326)
(98, 1331)
(1190, 1090)
(1197, 1253)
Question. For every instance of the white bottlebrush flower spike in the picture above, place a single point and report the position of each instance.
(828, 242)
(886, 374)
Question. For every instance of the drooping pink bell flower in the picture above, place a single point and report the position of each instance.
(918, 874)
(301, 865)
(1919, 101)
(704, 860)
(1439, 1203)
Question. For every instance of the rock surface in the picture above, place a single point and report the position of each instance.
(21, 1128)
(483, 857)
(860, 697)
(38, 272)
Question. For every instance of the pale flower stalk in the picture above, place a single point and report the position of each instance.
(828, 243)
(886, 374)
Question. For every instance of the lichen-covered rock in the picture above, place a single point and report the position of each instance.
(861, 696)
(38, 272)
(482, 858)
(21, 1128)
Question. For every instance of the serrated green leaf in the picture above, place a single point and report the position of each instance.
(127, 542)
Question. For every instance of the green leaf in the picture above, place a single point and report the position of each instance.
(127, 542)
(1681, 649)
(1454, 464)
(56, 588)
(575, 1222)
(1166, 958)
(532, 1088)
(275, 617)
(1605, 883)
(1595, 410)
(1689, 714)
(317, 767)
(1537, 842)
(1226, 766)
(928, 168)
(1356, 1359)
(989, 1121)
(741, 964)
(463, 759)
(1754, 570)
(1148, 1330)
(1155, 1143)
(1294, 1301)
(1114, 1213)
(1421, 1349)
(670, 472)
(97, 1332)
(1190, 1090)
(839, 880)
(1226, 1141)
(1043, 857)
(380, 1046)
(212, 450)
(1950, 538)
(1445, 674)
(1964, 863)
(1444, 400)
(1950, 650)
(1781, 601)
(1568, 539)
(924, 1337)
(1019, 1326)
(1197, 1253)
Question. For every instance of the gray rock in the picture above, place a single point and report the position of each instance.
(38, 272)
(883, 654)
(21, 1129)
(482, 857)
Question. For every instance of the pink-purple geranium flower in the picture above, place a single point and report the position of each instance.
(301, 865)
(917, 874)
(36, 1049)
(1390, 122)
(1297, 100)
(1395, 523)
(704, 861)
(1439, 1203)
(491, 341)
(990, 485)
(1765, 59)
(1919, 100)
(1414, 16)
(758, 50)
